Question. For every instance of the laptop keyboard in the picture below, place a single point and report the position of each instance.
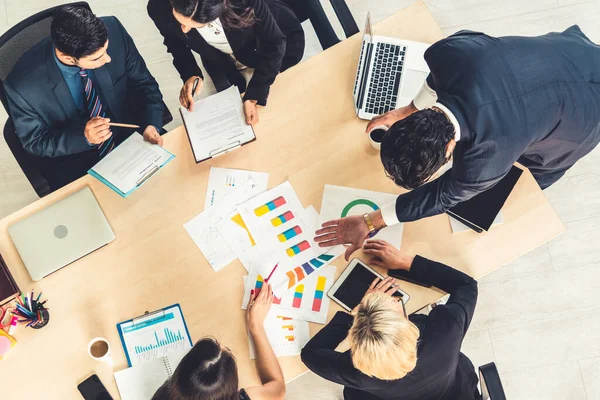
(385, 78)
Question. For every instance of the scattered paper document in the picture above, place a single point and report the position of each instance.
(204, 227)
(339, 202)
(287, 335)
(458, 226)
(130, 164)
(222, 181)
(307, 301)
(217, 124)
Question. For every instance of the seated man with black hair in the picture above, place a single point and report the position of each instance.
(487, 103)
(63, 93)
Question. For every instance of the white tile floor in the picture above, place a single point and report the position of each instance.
(537, 318)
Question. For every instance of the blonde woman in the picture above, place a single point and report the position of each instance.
(395, 357)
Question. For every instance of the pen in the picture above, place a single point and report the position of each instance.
(271, 274)
(123, 125)
(195, 86)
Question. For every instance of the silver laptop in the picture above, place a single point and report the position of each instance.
(390, 73)
(61, 233)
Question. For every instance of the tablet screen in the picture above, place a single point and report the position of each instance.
(355, 286)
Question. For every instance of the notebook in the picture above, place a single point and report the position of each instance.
(141, 381)
(217, 125)
(8, 286)
(480, 212)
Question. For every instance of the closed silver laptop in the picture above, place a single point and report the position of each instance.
(61, 233)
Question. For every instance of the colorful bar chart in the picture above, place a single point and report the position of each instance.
(270, 206)
(297, 249)
(259, 284)
(316, 262)
(276, 300)
(307, 268)
(325, 257)
(291, 279)
(169, 337)
(289, 234)
(319, 293)
(299, 273)
(288, 325)
(298, 296)
(282, 219)
(290, 338)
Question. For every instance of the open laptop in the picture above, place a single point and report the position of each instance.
(61, 233)
(390, 73)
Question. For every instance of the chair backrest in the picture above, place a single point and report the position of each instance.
(491, 385)
(19, 39)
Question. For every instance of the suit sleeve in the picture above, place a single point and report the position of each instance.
(320, 357)
(148, 96)
(36, 136)
(461, 287)
(272, 42)
(438, 196)
(183, 58)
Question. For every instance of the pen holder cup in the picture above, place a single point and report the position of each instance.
(46, 317)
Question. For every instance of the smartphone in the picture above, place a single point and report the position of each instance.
(404, 275)
(93, 389)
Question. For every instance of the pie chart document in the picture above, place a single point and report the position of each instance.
(339, 202)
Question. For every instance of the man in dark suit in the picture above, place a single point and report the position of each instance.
(487, 103)
(63, 93)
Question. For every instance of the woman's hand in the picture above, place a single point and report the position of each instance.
(385, 255)
(387, 286)
(186, 97)
(259, 307)
(251, 112)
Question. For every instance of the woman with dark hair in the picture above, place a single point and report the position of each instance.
(231, 36)
(209, 370)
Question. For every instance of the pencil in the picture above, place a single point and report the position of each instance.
(123, 125)
(271, 274)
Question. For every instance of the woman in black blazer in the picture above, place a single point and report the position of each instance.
(386, 360)
(230, 35)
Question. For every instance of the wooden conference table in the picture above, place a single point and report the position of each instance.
(309, 135)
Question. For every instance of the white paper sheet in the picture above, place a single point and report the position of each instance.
(307, 301)
(339, 202)
(204, 227)
(287, 335)
(217, 124)
(222, 181)
(130, 162)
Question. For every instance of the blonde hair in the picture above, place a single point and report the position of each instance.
(383, 343)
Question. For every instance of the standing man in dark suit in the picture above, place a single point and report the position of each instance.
(487, 103)
(230, 36)
(63, 93)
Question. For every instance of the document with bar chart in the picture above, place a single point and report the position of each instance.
(154, 335)
(287, 335)
(276, 221)
(307, 301)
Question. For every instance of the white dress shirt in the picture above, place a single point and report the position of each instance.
(426, 98)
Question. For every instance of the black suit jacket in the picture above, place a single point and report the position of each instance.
(45, 116)
(273, 44)
(442, 371)
(529, 99)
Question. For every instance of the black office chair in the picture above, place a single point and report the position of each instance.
(313, 10)
(491, 386)
(13, 44)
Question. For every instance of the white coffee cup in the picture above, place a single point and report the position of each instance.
(99, 349)
(376, 141)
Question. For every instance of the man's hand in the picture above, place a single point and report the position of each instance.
(389, 118)
(385, 255)
(151, 135)
(351, 230)
(186, 98)
(251, 112)
(97, 130)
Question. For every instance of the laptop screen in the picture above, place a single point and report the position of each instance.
(364, 60)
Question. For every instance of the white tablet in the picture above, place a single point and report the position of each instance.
(351, 286)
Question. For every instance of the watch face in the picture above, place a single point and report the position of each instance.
(373, 233)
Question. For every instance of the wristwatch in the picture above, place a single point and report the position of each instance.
(372, 231)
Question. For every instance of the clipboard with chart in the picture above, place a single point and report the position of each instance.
(154, 335)
(217, 125)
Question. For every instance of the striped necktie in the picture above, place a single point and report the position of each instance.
(95, 108)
